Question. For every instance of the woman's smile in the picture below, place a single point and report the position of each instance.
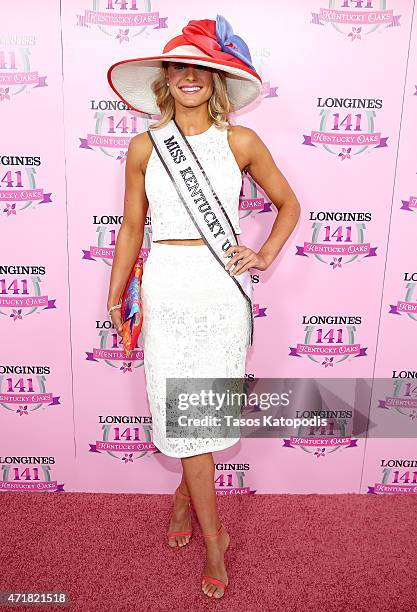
(190, 89)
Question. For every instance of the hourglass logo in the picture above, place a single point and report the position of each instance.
(18, 189)
(106, 228)
(125, 438)
(347, 127)
(403, 397)
(25, 394)
(397, 476)
(110, 349)
(329, 340)
(20, 291)
(114, 126)
(16, 74)
(337, 239)
(407, 306)
(322, 440)
(18, 474)
(230, 479)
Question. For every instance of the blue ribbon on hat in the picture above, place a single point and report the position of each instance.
(232, 43)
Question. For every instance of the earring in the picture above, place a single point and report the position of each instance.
(167, 83)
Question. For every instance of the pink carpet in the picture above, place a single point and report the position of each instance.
(288, 552)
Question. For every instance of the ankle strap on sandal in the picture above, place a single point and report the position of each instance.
(213, 535)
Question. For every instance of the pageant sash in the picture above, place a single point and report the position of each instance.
(200, 200)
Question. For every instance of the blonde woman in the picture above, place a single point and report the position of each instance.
(196, 323)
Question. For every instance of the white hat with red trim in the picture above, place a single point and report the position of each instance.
(205, 42)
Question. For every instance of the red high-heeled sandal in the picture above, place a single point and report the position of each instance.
(215, 581)
(173, 534)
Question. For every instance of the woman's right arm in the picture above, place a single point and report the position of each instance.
(130, 235)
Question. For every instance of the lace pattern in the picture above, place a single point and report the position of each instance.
(196, 323)
(169, 218)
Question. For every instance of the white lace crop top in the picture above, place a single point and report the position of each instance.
(169, 217)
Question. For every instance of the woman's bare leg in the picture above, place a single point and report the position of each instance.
(180, 518)
(199, 476)
(183, 486)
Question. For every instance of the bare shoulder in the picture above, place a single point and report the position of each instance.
(243, 136)
(245, 144)
(139, 151)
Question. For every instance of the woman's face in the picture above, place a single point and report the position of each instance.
(190, 85)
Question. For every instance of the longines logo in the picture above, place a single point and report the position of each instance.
(20, 291)
(396, 477)
(322, 440)
(106, 228)
(407, 306)
(403, 396)
(125, 438)
(329, 339)
(338, 238)
(23, 389)
(113, 128)
(348, 123)
(122, 19)
(18, 188)
(28, 474)
(16, 73)
(110, 349)
(230, 479)
(356, 19)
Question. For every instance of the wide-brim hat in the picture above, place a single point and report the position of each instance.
(205, 42)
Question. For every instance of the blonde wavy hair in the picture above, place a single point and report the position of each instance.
(219, 105)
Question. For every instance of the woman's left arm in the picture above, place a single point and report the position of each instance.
(257, 161)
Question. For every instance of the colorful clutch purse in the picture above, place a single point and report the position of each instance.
(131, 310)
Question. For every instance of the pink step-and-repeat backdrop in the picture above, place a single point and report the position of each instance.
(339, 114)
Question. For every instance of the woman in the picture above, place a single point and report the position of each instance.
(195, 321)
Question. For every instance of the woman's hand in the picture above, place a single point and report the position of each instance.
(246, 259)
(116, 319)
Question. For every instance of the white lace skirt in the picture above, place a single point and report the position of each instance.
(196, 323)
